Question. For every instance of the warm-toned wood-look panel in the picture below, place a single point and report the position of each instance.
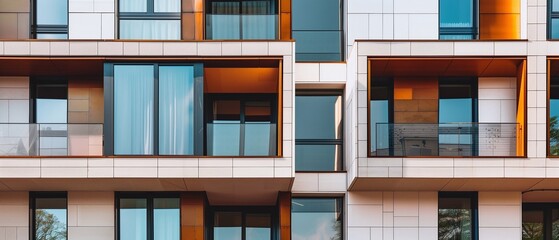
(521, 110)
(193, 205)
(192, 19)
(416, 100)
(285, 19)
(284, 205)
(499, 19)
(85, 100)
(241, 80)
(14, 5)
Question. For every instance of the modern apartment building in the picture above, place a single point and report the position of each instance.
(279, 119)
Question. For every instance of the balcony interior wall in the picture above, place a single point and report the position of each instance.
(14, 217)
(14, 99)
(499, 20)
(193, 206)
(91, 215)
(85, 100)
(14, 19)
(192, 19)
(416, 100)
(91, 19)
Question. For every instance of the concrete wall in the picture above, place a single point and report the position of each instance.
(91, 215)
(91, 19)
(14, 216)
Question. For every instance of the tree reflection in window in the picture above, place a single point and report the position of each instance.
(48, 226)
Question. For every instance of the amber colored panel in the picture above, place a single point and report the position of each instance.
(241, 80)
(521, 110)
(96, 105)
(403, 93)
(192, 233)
(418, 82)
(284, 205)
(85, 82)
(78, 117)
(416, 117)
(192, 215)
(8, 26)
(285, 6)
(23, 26)
(285, 26)
(499, 26)
(406, 106)
(426, 93)
(76, 93)
(499, 6)
(188, 26)
(187, 6)
(14, 5)
(199, 6)
(199, 26)
(428, 105)
(78, 105)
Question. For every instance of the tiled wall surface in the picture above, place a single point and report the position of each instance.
(14, 99)
(14, 19)
(91, 19)
(91, 215)
(14, 223)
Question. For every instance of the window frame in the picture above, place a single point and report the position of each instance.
(33, 208)
(244, 210)
(149, 196)
(341, 201)
(150, 14)
(473, 196)
(48, 28)
(108, 86)
(546, 209)
(329, 142)
(473, 31)
(550, 16)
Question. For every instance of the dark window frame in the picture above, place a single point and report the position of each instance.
(210, 98)
(207, 25)
(149, 196)
(551, 15)
(150, 14)
(32, 207)
(340, 205)
(48, 28)
(244, 210)
(332, 142)
(473, 31)
(546, 209)
(473, 196)
(108, 86)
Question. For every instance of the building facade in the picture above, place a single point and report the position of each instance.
(279, 119)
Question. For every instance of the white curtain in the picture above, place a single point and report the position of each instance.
(225, 20)
(133, 109)
(166, 219)
(176, 110)
(167, 6)
(133, 6)
(259, 20)
(150, 29)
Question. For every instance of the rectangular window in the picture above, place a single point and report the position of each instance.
(458, 215)
(50, 112)
(554, 116)
(153, 109)
(319, 131)
(318, 30)
(241, 19)
(540, 221)
(457, 19)
(148, 216)
(150, 19)
(381, 114)
(49, 215)
(233, 223)
(317, 218)
(553, 19)
(50, 19)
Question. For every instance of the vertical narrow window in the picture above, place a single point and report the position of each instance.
(50, 19)
(553, 19)
(554, 116)
(241, 19)
(316, 218)
(148, 216)
(150, 19)
(381, 116)
(51, 115)
(457, 19)
(457, 215)
(49, 215)
(319, 131)
(318, 30)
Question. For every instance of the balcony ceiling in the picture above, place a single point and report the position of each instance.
(444, 67)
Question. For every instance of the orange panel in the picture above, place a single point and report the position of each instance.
(285, 6)
(284, 205)
(403, 93)
(285, 26)
(187, 6)
(199, 6)
(521, 110)
(499, 26)
(241, 80)
(499, 6)
(199, 26)
(188, 26)
(192, 215)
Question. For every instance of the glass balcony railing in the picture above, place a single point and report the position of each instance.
(445, 139)
(241, 139)
(52, 139)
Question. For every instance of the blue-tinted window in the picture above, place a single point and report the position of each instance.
(150, 19)
(50, 214)
(243, 19)
(51, 19)
(553, 19)
(381, 101)
(148, 216)
(51, 116)
(317, 29)
(318, 131)
(457, 19)
(316, 218)
(133, 219)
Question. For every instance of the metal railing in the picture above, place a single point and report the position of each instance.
(445, 139)
(241, 139)
(51, 139)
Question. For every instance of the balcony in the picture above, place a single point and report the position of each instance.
(29, 139)
(450, 139)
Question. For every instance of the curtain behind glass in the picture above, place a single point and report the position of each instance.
(166, 219)
(176, 110)
(259, 20)
(167, 6)
(133, 219)
(53, 12)
(133, 109)
(224, 20)
(133, 6)
(150, 29)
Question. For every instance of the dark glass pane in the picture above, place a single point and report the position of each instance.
(532, 225)
(52, 12)
(312, 57)
(318, 45)
(257, 19)
(456, 13)
(555, 224)
(379, 138)
(555, 28)
(228, 226)
(318, 117)
(133, 219)
(166, 218)
(455, 219)
(50, 218)
(316, 15)
(258, 226)
(448, 91)
(318, 157)
(457, 37)
(316, 219)
(554, 117)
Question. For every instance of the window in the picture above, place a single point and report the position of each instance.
(151, 109)
(50, 19)
(241, 19)
(540, 221)
(554, 116)
(458, 215)
(318, 131)
(231, 223)
(457, 19)
(553, 19)
(241, 125)
(317, 218)
(150, 19)
(49, 215)
(381, 115)
(148, 216)
(317, 28)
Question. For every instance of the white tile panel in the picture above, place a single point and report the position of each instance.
(18, 111)
(406, 233)
(110, 48)
(231, 48)
(177, 172)
(365, 215)
(305, 182)
(180, 48)
(423, 26)
(80, 6)
(107, 25)
(59, 48)
(500, 216)
(16, 48)
(333, 72)
(104, 5)
(364, 197)
(253, 172)
(387, 26)
(401, 26)
(83, 48)
(357, 27)
(500, 233)
(432, 48)
(361, 233)
(64, 172)
(150, 48)
(365, 6)
(96, 215)
(332, 182)
(406, 204)
(279, 48)
(135, 172)
(307, 72)
(428, 233)
(91, 233)
(254, 48)
(40, 48)
(375, 26)
(84, 26)
(414, 6)
(209, 48)
(4, 112)
(428, 209)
